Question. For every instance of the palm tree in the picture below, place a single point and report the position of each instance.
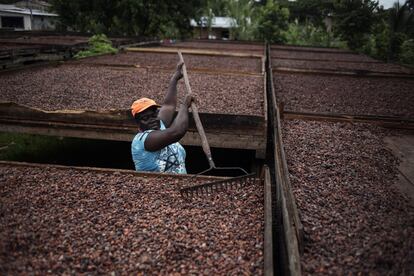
(242, 11)
(401, 20)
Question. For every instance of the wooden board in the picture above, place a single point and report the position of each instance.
(223, 131)
(403, 148)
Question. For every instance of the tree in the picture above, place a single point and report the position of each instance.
(272, 22)
(402, 18)
(354, 20)
(309, 11)
(128, 17)
(407, 52)
(401, 25)
(243, 14)
(211, 9)
(216, 7)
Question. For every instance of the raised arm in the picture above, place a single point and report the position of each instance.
(159, 139)
(166, 113)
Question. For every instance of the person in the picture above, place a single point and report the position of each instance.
(155, 147)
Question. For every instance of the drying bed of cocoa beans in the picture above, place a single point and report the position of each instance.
(164, 60)
(221, 46)
(343, 94)
(308, 48)
(70, 221)
(58, 40)
(356, 222)
(83, 87)
(342, 66)
(321, 56)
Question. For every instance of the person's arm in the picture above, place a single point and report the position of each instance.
(167, 110)
(159, 139)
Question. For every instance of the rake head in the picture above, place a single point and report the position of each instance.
(209, 188)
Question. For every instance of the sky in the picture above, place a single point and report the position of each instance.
(389, 3)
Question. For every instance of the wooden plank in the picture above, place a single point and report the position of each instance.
(348, 73)
(321, 59)
(225, 123)
(224, 131)
(384, 121)
(403, 148)
(140, 44)
(194, 52)
(268, 232)
(262, 154)
(281, 160)
(310, 49)
(288, 187)
(39, 57)
(291, 243)
(216, 139)
(291, 236)
(208, 71)
(109, 170)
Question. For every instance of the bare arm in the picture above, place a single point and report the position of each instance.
(159, 139)
(167, 110)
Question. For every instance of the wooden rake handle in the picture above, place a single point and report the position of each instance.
(194, 109)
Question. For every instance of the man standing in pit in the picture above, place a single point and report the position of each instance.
(155, 147)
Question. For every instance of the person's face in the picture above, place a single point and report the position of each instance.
(148, 119)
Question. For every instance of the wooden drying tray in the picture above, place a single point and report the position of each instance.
(268, 250)
(223, 130)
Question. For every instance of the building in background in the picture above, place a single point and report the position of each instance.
(33, 4)
(219, 28)
(26, 15)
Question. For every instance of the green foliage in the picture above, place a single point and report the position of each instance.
(401, 25)
(354, 20)
(402, 18)
(309, 11)
(128, 17)
(212, 8)
(98, 44)
(381, 41)
(272, 23)
(308, 34)
(407, 52)
(390, 33)
(244, 13)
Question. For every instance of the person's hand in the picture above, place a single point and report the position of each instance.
(179, 71)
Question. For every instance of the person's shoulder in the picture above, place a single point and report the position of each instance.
(139, 139)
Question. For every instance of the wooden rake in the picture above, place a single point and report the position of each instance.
(207, 188)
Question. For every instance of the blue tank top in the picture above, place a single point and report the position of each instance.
(169, 159)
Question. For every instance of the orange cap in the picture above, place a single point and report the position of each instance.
(142, 104)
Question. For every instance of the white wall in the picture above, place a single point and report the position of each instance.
(48, 23)
(27, 23)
